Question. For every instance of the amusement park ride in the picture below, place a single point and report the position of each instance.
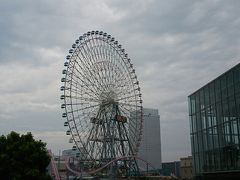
(102, 105)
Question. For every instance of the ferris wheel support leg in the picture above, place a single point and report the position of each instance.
(134, 161)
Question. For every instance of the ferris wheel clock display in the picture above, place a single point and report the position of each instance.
(101, 101)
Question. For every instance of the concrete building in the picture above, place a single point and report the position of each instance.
(186, 168)
(78, 153)
(150, 146)
(70, 153)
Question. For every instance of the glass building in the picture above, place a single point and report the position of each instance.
(214, 112)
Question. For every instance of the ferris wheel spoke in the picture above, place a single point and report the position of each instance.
(108, 72)
(75, 110)
(102, 83)
(126, 91)
(75, 104)
(110, 77)
(125, 111)
(95, 45)
(91, 48)
(99, 86)
(84, 94)
(116, 72)
(117, 57)
(90, 60)
(86, 70)
(87, 51)
(105, 50)
(132, 130)
(92, 76)
(87, 91)
(127, 97)
(73, 81)
(85, 99)
(122, 83)
(86, 114)
(100, 52)
(135, 133)
(123, 90)
(101, 47)
(129, 105)
(134, 101)
(102, 69)
(73, 75)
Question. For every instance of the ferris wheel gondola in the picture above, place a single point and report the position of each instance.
(101, 99)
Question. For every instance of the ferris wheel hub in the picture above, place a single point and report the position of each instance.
(108, 97)
(102, 101)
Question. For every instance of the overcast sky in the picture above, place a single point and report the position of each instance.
(176, 48)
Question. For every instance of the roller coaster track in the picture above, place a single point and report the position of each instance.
(54, 170)
(77, 173)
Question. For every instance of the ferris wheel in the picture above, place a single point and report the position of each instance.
(101, 100)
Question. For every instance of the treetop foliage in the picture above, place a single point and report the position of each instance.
(22, 157)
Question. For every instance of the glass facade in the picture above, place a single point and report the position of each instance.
(214, 112)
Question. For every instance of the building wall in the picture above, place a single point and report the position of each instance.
(186, 168)
(150, 146)
(214, 112)
(171, 169)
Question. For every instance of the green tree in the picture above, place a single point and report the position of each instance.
(22, 157)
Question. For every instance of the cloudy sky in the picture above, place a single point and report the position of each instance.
(176, 47)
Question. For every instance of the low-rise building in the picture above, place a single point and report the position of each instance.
(186, 168)
(171, 169)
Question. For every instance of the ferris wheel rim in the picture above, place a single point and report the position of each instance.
(127, 65)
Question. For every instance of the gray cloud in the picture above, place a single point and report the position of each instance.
(175, 46)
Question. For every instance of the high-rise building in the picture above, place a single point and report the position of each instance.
(214, 112)
(150, 146)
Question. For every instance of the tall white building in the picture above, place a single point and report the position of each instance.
(150, 147)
